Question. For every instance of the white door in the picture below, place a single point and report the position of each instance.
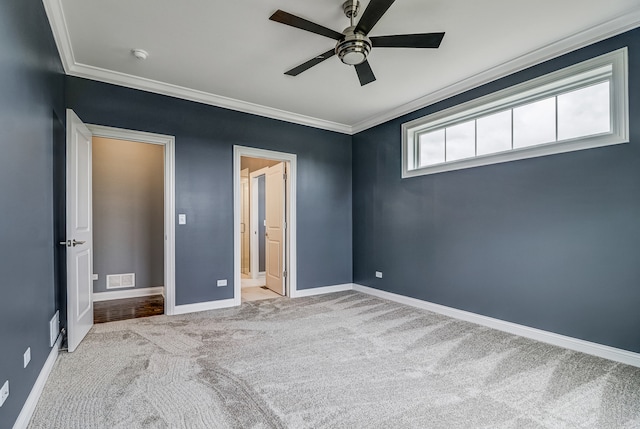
(244, 225)
(275, 231)
(79, 231)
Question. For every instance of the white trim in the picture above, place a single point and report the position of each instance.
(323, 290)
(624, 22)
(58, 23)
(36, 391)
(169, 143)
(600, 350)
(570, 78)
(157, 87)
(254, 254)
(131, 293)
(291, 245)
(204, 306)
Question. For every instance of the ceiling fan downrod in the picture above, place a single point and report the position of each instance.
(351, 9)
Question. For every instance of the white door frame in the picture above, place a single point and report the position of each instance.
(169, 199)
(291, 159)
(254, 252)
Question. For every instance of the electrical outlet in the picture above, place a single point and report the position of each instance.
(222, 282)
(379, 274)
(4, 392)
(27, 357)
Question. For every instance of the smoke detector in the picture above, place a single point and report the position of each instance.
(140, 54)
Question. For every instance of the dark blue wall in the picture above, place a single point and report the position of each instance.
(205, 136)
(550, 242)
(31, 90)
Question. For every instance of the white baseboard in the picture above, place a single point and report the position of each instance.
(204, 306)
(600, 350)
(129, 293)
(32, 400)
(322, 290)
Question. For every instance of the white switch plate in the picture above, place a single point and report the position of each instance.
(27, 357)
(222, 282)
(4, 392)
(94, 277)
(182, 219)
(379, 274)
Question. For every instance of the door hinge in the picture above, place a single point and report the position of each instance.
(284, 224)
(284, 176)
(284, 274)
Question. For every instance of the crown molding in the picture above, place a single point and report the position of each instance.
(55, 13)
(618, 25)
(58, 24)
(135, 82)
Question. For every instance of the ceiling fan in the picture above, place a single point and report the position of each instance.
(353, 45)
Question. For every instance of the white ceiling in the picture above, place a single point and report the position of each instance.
(228, 53)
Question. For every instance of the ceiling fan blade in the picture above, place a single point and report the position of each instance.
(301, 23)
(365, 74)
(372, 15)
(425, 40)
(312, 62)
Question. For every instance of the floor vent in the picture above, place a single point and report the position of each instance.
(117, 281)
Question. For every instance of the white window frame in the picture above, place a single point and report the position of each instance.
(520, 94)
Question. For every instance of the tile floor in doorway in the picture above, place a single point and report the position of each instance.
(252, 290)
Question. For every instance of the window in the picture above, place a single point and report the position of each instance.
(579, 107)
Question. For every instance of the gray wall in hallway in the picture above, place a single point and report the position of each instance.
(31, 101)
(205, 136)
(128, 212)
(550, 242)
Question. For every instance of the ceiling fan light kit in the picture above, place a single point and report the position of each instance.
(353, 44)
(354, 48)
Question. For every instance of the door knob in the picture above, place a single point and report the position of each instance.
(70, 243)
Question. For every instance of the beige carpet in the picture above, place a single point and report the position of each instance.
(344, 360)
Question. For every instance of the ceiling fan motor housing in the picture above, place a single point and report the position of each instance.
(354, 47)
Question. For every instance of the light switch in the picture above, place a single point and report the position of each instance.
(182, 219)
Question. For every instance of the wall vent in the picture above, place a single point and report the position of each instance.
(117, 281)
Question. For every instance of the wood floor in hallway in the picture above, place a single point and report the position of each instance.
(130, 308)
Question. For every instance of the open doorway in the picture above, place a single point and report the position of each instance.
(128, 229)
(265, 224)
(131, 198)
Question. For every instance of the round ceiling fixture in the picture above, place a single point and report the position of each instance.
(140, 54)
(354, 47)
